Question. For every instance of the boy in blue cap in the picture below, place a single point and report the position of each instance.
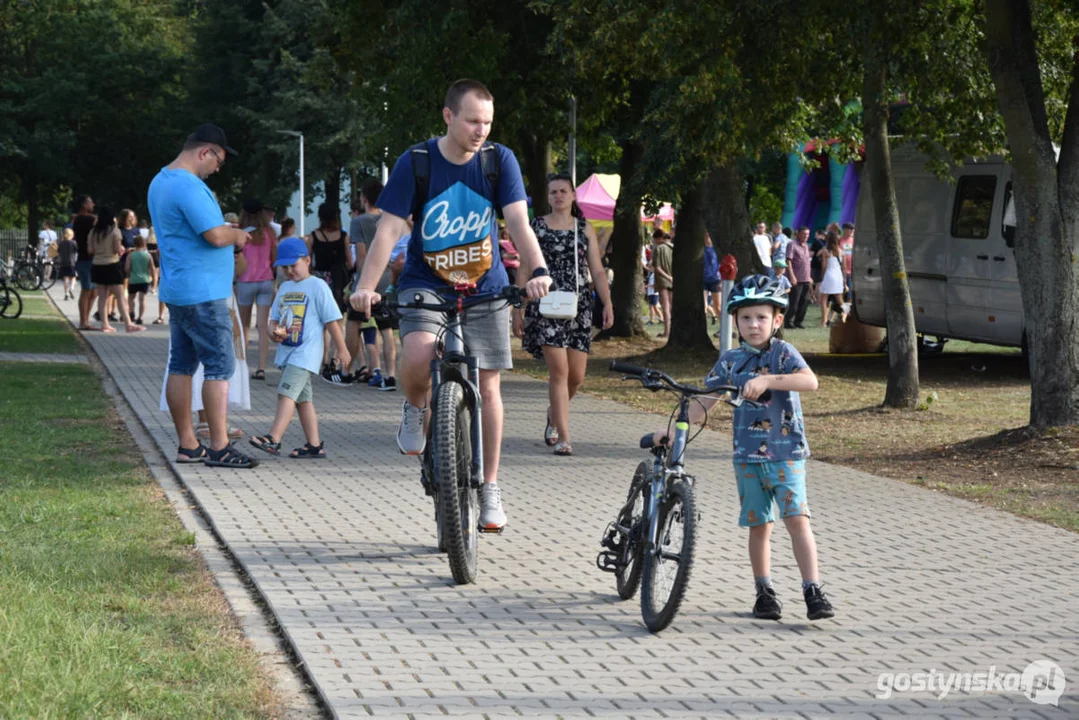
(303, 308)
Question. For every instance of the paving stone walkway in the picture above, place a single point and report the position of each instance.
(343, 552)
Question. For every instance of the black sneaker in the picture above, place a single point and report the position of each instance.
(767, 606)
(389, 384)
(338, 377)
(817, 605)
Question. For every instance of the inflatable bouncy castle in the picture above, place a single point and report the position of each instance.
(821, 196)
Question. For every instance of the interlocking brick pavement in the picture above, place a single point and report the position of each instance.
(343, 552)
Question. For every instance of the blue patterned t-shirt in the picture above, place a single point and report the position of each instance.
(775, 431)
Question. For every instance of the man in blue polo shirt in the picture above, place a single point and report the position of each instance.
(197, 250)
(455, 242)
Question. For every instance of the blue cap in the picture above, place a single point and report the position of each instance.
(290, 250)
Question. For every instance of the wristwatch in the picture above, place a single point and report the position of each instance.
(540, 272)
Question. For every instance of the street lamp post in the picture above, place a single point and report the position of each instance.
(303, 208)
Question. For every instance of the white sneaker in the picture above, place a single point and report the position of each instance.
(492, 516)
(410, 437)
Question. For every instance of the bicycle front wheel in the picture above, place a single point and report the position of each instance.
(27, 277)
(628, 579)
(10, 302)
(667, 568)
(458, 500)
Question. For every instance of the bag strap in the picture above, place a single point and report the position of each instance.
(491, 162)
(576, 272)
(421, 174)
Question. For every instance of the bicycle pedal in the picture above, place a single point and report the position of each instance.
(493, 531)
(607, 561)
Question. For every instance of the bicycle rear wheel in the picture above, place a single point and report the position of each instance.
(10, 302)
(628, 579)
(48, 275)
(666, 571)
(27, 276)
(458, 500)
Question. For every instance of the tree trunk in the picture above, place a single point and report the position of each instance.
(902, 390)
(689, 325)
(32, 204)
(333, 186)
(536, 151)
(626, 252)
(726, 216)
(1047, 212)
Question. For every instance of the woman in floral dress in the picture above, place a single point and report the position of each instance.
(564, 344)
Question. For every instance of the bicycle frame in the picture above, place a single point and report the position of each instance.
(446, 367)
(668, 463)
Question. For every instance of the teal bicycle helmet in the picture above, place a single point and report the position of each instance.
(757, 290)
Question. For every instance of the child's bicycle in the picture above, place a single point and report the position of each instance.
(452, 466)
(650, 543)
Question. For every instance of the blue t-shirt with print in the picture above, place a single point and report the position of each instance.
(303, 308)
(774, 431)
(453, 243)
(193, 271)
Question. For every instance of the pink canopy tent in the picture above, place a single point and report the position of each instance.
(596, 197)
(665, 215)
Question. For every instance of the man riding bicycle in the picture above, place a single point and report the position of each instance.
(453, 192)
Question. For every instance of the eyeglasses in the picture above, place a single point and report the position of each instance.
(220, 160)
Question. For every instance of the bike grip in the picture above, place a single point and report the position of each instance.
(626, 369)
(766, 396)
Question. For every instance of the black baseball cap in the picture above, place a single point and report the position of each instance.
(210, 133)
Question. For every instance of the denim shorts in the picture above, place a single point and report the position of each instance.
(761, 486)
(202, 333)
(255, 293)
(82, 272)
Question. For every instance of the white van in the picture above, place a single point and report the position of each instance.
(956, 247)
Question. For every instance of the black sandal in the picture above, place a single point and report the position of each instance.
(266, 444)
(189, 455)
(309, 452)
(229, 457)
(258, 375)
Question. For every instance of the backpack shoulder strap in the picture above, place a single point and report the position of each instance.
(421, 174)
(491, 162)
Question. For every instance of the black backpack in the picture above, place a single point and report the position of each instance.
(421, 173)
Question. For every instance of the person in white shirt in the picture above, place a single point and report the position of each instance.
(46, 237)
(763, 244)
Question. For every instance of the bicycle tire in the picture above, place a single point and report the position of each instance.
(27, 277)
(48, 276)
(10, 302)
(628, 579)
(458, 500)
(661, 591)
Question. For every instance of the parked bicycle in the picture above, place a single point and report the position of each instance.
(34, 273)
(651, 541)
(10, 300)
(452, 464)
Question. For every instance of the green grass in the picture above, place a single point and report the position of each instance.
(105, 608)
(37, 336)
(37, 306)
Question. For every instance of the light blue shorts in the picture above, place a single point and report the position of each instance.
(762, 486)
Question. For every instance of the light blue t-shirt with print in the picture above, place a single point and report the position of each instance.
(303, 308)
(781, 249)
(454, 242)
(193, 271)
(775, 431)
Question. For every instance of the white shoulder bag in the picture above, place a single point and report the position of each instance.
(562, 304)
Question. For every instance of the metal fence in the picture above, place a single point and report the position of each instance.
(12, 244)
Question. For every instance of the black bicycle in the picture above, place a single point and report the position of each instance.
(452, 465)
(10, 300)
(650, 543)
(34, 273)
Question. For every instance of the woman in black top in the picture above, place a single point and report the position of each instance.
(332, 260)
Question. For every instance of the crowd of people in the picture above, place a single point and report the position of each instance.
(317, 298)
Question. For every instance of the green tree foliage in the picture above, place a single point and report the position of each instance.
(91, 98)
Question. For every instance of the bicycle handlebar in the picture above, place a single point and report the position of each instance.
(510, 293)
(655, 380)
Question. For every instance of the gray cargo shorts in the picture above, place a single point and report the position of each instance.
(486, 328)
